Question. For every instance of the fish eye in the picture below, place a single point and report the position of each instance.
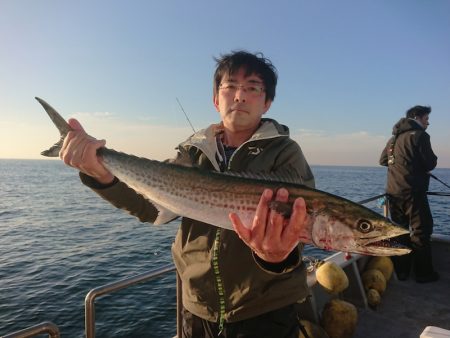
(364, 226)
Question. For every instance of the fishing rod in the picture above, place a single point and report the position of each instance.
(438, 193)
(437, 179)
(371, 199)
(187, 118)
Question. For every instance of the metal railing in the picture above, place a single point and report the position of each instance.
(113, 287)
(52, 329)
(45, 327)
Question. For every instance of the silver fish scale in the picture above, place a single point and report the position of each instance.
(209, 197)
(186, 191)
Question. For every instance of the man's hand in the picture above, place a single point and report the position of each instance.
(79, 150)
(272, 237)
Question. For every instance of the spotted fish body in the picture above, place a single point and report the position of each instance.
(334, 223)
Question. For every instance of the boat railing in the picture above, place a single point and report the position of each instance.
(42, 328)
(113, 287)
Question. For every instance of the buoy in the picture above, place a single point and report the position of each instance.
(382, 263)
(374, 279)
(373, 298)
(331, 277)
(339, 318)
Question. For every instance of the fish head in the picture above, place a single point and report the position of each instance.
(357, 229)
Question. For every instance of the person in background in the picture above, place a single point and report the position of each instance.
(242, 283)
(409, 158)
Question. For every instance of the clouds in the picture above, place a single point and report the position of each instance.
(93, 115)
(144, 137)
(355, 148)
(141, 138)
(360, 148)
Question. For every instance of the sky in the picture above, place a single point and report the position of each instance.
(348, 70)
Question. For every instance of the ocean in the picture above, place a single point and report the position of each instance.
(58, 241)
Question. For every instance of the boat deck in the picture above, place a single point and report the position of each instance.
(408, 307)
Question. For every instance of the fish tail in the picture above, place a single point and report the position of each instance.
(60, 123)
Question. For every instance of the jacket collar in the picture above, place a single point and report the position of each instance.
(206, 139)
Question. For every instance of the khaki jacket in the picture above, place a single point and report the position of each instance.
(221, 278)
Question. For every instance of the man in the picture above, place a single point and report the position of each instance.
(234, 283)
(409, 158)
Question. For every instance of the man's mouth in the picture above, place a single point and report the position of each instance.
(238, 109)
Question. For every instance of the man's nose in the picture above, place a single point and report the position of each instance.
(240, 95)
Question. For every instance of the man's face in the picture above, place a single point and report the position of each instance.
(424, 120)
(241, 101)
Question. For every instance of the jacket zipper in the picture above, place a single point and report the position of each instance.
(216, 251)
(219, 282)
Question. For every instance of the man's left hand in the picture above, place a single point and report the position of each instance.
(271, 236)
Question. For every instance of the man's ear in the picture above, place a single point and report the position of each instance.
(216, 102)
(267, 105)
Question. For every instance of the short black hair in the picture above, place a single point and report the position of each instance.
(252, 63)
(418, 111)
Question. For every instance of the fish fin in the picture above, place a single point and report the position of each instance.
(284, 175)
(60, 123)
(183, 158)
(283, 208)
(164, 215)
(53, 151)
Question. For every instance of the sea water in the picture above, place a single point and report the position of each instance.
(59, 240)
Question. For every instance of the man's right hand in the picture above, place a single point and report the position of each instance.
(79, 151)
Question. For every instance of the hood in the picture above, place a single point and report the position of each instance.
(404, 125)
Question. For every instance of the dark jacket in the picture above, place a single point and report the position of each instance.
(221, 277)
(411, 158)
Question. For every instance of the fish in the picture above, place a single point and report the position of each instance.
(333, 222)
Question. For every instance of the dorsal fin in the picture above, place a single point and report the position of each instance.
(183, 158)
(284, 175)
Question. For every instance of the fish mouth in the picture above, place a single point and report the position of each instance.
(386, 243)
(387, 247)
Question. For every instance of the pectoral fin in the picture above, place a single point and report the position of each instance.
(164, 215)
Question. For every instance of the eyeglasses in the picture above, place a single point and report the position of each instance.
(253, 89)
